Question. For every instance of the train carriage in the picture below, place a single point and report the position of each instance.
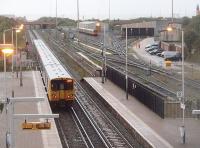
(90, 27)
(58, 82)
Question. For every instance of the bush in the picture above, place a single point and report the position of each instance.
(1, 107)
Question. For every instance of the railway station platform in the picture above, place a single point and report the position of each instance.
(32, 87)
(158, 132)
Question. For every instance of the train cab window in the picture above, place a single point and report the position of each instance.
(61, 85)
(69, 85)
(54, 86)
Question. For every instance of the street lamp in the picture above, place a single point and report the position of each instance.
(182, 128)
(20, 60)
(172, 11)
(4, 36)
(78, 20)
(56, 20)
(7, 49)
(16, 31)
(109, 13)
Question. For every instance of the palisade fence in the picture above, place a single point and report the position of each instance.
(172, 109)
(159, 103)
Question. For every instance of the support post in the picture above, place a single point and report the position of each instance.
(102, 71)
(78, 21)
(183, 134)
(17, 62)
(104, 52)
(11, 116)
(126, 67)
(21, 83)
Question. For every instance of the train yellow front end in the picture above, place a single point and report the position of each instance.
(61, 90)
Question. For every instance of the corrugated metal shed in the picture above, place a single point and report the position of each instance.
(52, 66)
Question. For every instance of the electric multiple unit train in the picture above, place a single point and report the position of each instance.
(90, 27)
(58, 82)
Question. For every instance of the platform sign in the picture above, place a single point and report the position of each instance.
(36, 125)
(134, 86)
(6, 46)
(183, 106)
(179, 94)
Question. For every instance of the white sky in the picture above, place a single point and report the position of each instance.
(123, 9)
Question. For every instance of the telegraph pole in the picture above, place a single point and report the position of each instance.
(56, 20)
(78, 20)
(172, 11)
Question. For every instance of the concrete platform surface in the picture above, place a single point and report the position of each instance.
(32, 87)
(150, 125)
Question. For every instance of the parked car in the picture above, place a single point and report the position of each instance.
(146, 49)
(171, 55)
(168, 54)
(151, 49)
(155, 44)
(149, 45)
(176, 57)
(159, 54)
(155, 51)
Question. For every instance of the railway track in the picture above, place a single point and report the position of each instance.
(166, 87)
(75, 129)
(104, 128)
(75, 132)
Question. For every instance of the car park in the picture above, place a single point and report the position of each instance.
(148, 46)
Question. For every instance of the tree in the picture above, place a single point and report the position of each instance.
(196, 44)
(190, 38)
(186, 21)
(192, 32)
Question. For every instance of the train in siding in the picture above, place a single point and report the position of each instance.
(58, 82)
(90, 27)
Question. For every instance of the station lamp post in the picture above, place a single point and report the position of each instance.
(182, 96)
(4, 33)
(17, 30)
(78, 21)
(16, 46)
(7, 49)
(172, 11)
(56, 18)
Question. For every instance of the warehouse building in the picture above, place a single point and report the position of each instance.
(144, 29)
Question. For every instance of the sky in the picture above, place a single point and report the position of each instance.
(122, 9)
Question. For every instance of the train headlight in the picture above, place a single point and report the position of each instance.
(97, 24)
(54, 96)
